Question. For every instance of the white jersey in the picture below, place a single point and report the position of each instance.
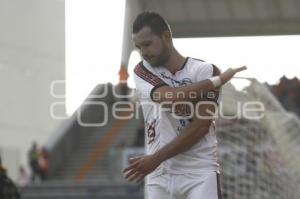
(161, 127)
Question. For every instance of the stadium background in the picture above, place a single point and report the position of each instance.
(259, 158)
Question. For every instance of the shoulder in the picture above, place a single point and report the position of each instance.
(199, 64)
(201, 70)
(199, 67)
(145, 74)
(197, 60)
(202, 66)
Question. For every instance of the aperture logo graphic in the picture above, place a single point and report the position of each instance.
(56, 88)
(211, 95)
(101, 116)
(98, 109)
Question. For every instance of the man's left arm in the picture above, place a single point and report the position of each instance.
(192, 134)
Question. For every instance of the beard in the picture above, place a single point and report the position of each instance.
(161, 58)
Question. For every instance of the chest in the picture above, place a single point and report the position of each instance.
(180, 78)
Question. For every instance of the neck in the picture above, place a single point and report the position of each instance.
(175, 62)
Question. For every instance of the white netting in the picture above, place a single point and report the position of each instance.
(259, 158)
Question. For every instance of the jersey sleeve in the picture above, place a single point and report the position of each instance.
(207, 71)
(146, 82)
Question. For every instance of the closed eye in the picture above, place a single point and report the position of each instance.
(143, 44)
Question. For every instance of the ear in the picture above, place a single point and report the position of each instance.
(167, 36)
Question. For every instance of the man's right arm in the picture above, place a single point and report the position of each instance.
(193, 91)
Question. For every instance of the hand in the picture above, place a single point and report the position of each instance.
(229, 73)
(140, 167)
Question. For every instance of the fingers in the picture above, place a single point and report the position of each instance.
(132, 166)
(240, 69)
(132, 160)
(135, 175)
(229, 73)
(140, 178)
(136, 171)
(130, 173)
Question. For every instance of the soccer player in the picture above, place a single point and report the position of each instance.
(179, 96)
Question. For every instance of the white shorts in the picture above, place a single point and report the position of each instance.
(184, 186)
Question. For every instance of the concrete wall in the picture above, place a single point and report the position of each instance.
(31, 57)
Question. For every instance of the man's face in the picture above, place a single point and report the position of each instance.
(151, 46)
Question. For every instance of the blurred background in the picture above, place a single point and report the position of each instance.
(65, 64)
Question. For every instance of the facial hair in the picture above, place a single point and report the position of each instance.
(163, 57)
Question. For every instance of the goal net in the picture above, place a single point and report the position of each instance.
(259, 157)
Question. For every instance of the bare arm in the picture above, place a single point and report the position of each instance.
(141, 166)
(191, 92)
(192, 134)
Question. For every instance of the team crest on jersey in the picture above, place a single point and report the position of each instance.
(151, 131)
(175, 82)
